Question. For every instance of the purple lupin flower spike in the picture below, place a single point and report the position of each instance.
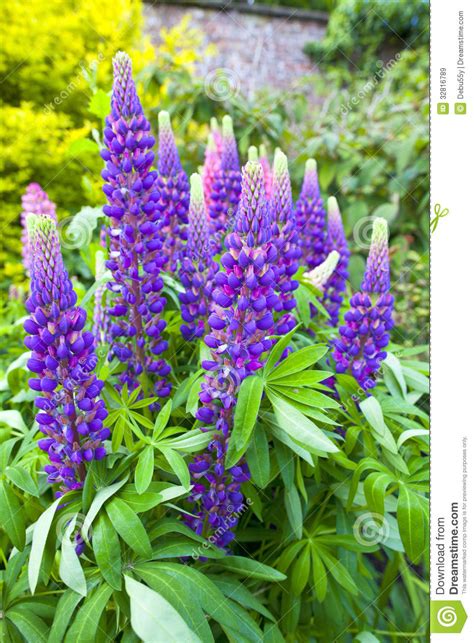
(287, 243)
(267, 171)
(33, 201)
(240, 324)
(311, 218)
(135, 243)
(174, 193)
(197, 269)
(212, 161)
(335, 287)
(70, 413)
(226, 187)
(366, 332)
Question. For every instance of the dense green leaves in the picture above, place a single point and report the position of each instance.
(245, 416)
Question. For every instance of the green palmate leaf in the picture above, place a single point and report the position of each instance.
(144, 469)
(40, 535)
(70, 569)
(235, 590)
(375, 488)
(338, 571)
(250, 568)
(373, 413)
(272, 634)
(285, 439)
(307, 397)
(258, 457)
(162, 420)
(205, 593)
(277, 351)
(412, 522)
(62, 617)
(320, 577)
(13, 520)
(189, 442)
(300, 428)
(129, 527)
(86, 623)
(157, 493)
(245, 416)
(294, 511)
(13, 419)
(107, 551)
(153, 617)
(101, 496)
(366, 464)
(247, 630)
(298, 361)
(303, 378)
(181, 595)
(22, 479)
(413, 433)
(32, 627)
(300, 571)
(179, 466)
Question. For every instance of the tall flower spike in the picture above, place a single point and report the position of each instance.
(70, 413)
(226, 187)
(240, 324)
(212, 160)
(311, 218)
(267, 171)
(197, 269)
(287, 243)
(135, 243)
(173, 185)
(359, 348)
(34, 201)
(335, 287)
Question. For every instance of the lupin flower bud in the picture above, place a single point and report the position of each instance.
(70, 413)
(136, 256)
(34, 201)
(319, 276)
(267, 171)
(311, 218)
(287, 243)
(173, 186)
(226, 187)
(240, 323)
(212, 161)
(197, 269)
(336, 240)
(359, 349)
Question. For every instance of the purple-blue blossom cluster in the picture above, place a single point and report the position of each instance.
(70, 413)
(242, 320)
(335, 287)
(226, 186)
(197, 268)
(135, 208)
(173, 187)
(286, 240)
(359, 349)
(311, 218)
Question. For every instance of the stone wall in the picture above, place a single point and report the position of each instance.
(257, 50)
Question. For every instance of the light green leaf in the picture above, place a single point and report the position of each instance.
(153, 618)
(84, 627)
(411, 522)
(298, 361)
(107, 551)
(373, 413)
(40, 535)
(129, 527)
(13, 520)
(101, 496)
(300, 428)
(144, 469)
(245, 416)
(258, 457)
(70, 570)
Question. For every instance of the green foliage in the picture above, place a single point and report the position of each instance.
(360, 31)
